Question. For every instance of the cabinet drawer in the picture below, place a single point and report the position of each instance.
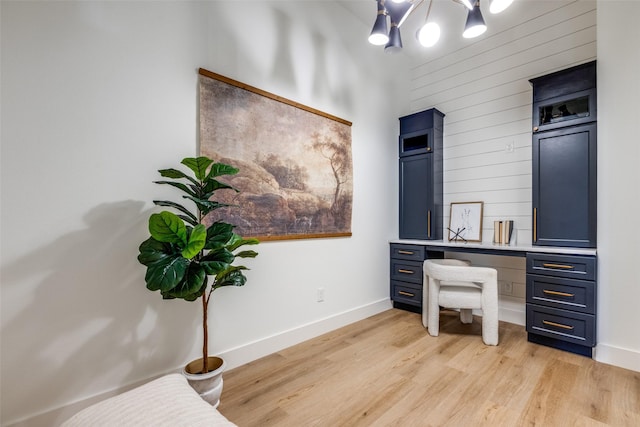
(570, 294)
(407, 252)
(406, 271)
(578, 328)
(569, 266)
(406, 293)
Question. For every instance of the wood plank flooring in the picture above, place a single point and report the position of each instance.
(387, 371)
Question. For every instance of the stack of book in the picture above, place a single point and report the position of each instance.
(503, 232)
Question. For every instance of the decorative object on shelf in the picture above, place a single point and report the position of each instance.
(296, 172)
(428, 35)
(187, 260)
(503, 232)
(465, 221)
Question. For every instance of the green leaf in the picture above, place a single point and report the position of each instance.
(193, 283)
(212, 185)
(205, 206)
(179, 186)
(231, 277)
(152, 251)
(168, 204)
(236, 241)
(196, 241)
(247, 254)
(220, 169)
(198, 165)
(176, 174)
(218, 234)
(166, 273)
(167, 227)
(216, 261)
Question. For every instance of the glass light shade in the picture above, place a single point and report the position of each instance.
(475, 25)
(395, 41)
(498, 6)
(378, 34)
(429, 34)
(398, 1)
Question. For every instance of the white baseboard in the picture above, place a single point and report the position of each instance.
(622, 357)
(512, 311)
(248, 352)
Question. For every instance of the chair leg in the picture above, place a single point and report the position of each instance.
(490, 327)
(425, 304)
(433, 312)
(466, 315)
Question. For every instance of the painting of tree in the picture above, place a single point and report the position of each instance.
(295, 177)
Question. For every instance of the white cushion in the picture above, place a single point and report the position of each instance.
(168, 401)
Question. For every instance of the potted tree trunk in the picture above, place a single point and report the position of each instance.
(187, 259)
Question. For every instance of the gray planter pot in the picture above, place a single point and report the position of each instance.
(208, 385)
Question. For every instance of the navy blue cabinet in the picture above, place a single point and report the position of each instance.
(561, 290)
(406, 274)
(420, 169)
(564, 189)
(565, 158)
(561, 301)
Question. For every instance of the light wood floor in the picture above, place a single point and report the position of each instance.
(387, 371)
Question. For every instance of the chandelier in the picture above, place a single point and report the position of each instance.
(398, 10)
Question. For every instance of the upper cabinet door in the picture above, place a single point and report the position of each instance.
(565, 187)
(417, 208)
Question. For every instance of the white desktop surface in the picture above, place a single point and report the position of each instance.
(460, 246)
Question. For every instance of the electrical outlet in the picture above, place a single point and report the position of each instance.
(320, 294)
(506, 288)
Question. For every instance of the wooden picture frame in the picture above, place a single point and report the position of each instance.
(465, 221)
(295, 162)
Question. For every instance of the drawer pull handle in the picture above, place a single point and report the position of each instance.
(406, 294)
(557, 325)
(560, 294)
(559, 266)
(429, 223)
(401, 252)
(535, 225)
(405, 271)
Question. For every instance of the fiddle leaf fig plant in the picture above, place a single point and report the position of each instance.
(185, 258)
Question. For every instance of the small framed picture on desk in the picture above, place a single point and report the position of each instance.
(465, 222)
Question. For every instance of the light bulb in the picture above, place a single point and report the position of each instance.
(429, 34)
(378, 39)
(474, 31)
(498, 6)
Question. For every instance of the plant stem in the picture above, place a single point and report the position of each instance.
(205, 335)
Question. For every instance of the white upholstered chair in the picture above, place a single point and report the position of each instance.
(453, 283)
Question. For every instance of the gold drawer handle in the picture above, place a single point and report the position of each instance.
(560, 266)
(535, 224)
(405, 271)
(405, 252)
(406, 294)
(557, 325)
(560, 294)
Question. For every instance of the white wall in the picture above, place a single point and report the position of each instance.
(618, 178)
(96, 96)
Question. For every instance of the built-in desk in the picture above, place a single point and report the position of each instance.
(560, 287)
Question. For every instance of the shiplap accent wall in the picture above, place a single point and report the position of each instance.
(484, 90)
